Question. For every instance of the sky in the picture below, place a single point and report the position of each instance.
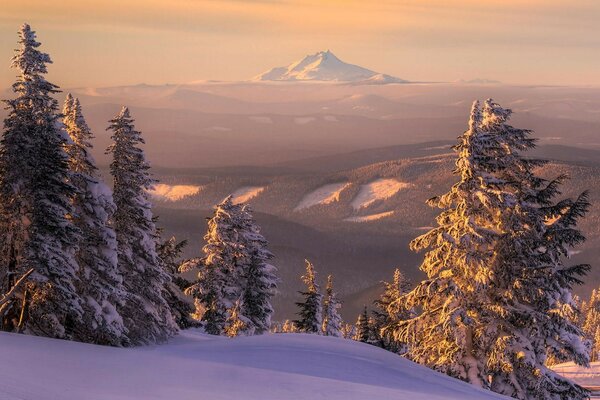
(123, 42)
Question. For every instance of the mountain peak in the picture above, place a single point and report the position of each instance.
(325, 66)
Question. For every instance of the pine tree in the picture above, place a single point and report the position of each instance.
(390, 310)
(146, 313)
(310, 315)
(35, 195)
(169, 253)
(236, 324)
(218, 286)
(259, 280)
(447, 334)
(532, 287)
(100, 284)
(363, 332)
(497, 298)
(332, 322)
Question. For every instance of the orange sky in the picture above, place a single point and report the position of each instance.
(113, 42)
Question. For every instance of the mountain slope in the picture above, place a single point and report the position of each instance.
(325, 66)
(196, 366)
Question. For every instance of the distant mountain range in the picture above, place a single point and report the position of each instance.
(325, 66)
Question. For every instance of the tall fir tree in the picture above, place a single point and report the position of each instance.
(35, 194)
(259, 278)
(100, 284)
(310, 316)
(532, 288)
(332, 321)
(146, 313)
(497, 297)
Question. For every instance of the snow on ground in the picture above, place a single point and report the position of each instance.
(304, 120)
(166, 192)
(194, 366)
(587, 377)
(377, 190)
(246, 193)
(330, 118)
(262, 120)
(372, 217)
(324, 195)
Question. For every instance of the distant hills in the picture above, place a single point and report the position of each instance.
(325, 66)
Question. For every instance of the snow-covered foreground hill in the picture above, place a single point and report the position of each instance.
(196, 366)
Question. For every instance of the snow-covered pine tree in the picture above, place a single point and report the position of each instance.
(100, 284)
(448, 333)
(259, 280)
(390, 309)
(288, 327)
(35, 194)
(531, 287)
(362, 327)
(332, 322)
(311, 309)
(236, 324)
(348, 331)
(591, 323)
(146, 313)
(219, 286)
(169, 252)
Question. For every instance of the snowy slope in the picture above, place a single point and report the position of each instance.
(195, 366)
(587, 377)
(325, 66)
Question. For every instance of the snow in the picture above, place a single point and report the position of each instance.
(166, 192)
(371, 217)
(195, 366)
(324, 195)
(586, 377)
(304, 120)
(246, 193)
(330, 118)
(379, 189)
(261, 119)
(325, 66)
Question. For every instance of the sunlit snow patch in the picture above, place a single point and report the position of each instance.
(304, 120)
(165, 192)
(324, 195)
(379, 189)
(262, 120)
(246, 193)
(368, 218)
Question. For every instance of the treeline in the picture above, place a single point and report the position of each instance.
(80, 261)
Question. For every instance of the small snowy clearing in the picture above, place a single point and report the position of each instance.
(379, 189)
(324, 195)
(194, 366)
(245, 194)
(262, 120)
(166, 192)
(331, 118)
(372, 217)
(304, 120)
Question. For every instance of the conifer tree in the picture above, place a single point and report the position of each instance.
(310, 315)
(236, 323)
(390, 310)
(332, 322)
(35, 195)
(218, 286)
(100, 284)
(363, 331)
(497, 298)
(258, 280)
(169, 252)
(146, 313)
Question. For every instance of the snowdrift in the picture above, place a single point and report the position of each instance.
(195, 366)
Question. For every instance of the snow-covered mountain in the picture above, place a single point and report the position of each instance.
(194, 366)
(325, 66)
